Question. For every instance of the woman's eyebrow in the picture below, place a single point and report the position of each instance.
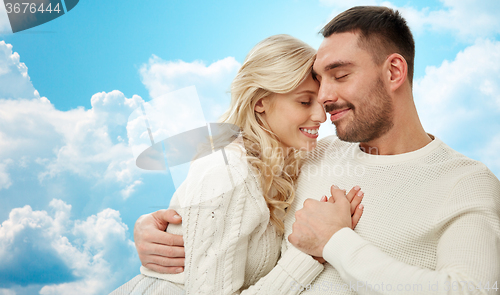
(314, 74)
(305, 92)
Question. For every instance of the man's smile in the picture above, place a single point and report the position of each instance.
(337, 114)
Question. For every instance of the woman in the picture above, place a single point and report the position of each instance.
(233, 210)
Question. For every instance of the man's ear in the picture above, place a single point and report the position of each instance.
(397, 70)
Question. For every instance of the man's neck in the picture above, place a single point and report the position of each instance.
(396, 145)
(407, 135)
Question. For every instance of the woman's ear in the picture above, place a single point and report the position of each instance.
(260, 106)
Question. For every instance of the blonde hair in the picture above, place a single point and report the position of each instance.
(278, 64)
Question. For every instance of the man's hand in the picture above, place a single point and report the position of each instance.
(158, 250)
(317, 221)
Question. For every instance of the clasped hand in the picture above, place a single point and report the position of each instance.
(315, 224)
(318, 221)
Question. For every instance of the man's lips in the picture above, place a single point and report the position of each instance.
(337, 114)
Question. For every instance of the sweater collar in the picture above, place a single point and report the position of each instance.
(366, 158)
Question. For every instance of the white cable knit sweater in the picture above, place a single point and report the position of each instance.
(431, 222)
(229, 242)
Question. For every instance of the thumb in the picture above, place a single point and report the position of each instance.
(167, 216)
(337, 194)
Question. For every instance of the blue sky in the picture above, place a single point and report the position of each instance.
(69, 190)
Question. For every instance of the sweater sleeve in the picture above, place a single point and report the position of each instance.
(292, 273)
(217, 228)
(468, 250)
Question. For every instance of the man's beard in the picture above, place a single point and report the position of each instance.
(370, 120)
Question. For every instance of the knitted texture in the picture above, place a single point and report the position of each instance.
(430, 223)
(230, 244)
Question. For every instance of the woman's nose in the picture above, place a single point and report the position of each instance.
(318, 113)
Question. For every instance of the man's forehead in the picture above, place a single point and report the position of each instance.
(336, 48)
(322, 54)
(338, 42)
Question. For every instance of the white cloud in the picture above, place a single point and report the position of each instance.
(89, 143)
(212, 82)
(176, 107)
(14, 79)
(464, 89)
(130, 189)
(5, 181)
(416, 19)
(7, 292)
(84, 256)
(39, 248)
(88, 136)
(113, 107)
(4, 21)
(460, 100)
(83, 142)
(77, 141)
(467, 19)
(161, 77)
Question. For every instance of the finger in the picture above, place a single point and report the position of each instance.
(147, 249)
(167, 216)
(172, 240)
(333, 188)
(357, 215)
(319, 259)
(164, 261)
(165, 269)
(331, 200)
(309, 203)
(163, 250)
(323, 199)
(356, 201)
(352, 193)
(337, 193)
(164, 238)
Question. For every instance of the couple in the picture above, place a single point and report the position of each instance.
(432, 218)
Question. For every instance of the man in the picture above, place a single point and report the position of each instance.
(431, 222)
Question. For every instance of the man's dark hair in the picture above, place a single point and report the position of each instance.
(382, 31)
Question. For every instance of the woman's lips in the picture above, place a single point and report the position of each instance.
(309, 134)
(336, 115)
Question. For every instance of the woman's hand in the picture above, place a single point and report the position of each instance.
(355, 196)
(318, 221)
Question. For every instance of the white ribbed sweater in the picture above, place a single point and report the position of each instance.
(230, 245)
(430, 222)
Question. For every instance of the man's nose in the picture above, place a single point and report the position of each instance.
(327, 93)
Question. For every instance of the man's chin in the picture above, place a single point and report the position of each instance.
(346, 136)
(341, 133)
(342, 136)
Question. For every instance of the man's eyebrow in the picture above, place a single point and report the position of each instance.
(337, 64)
